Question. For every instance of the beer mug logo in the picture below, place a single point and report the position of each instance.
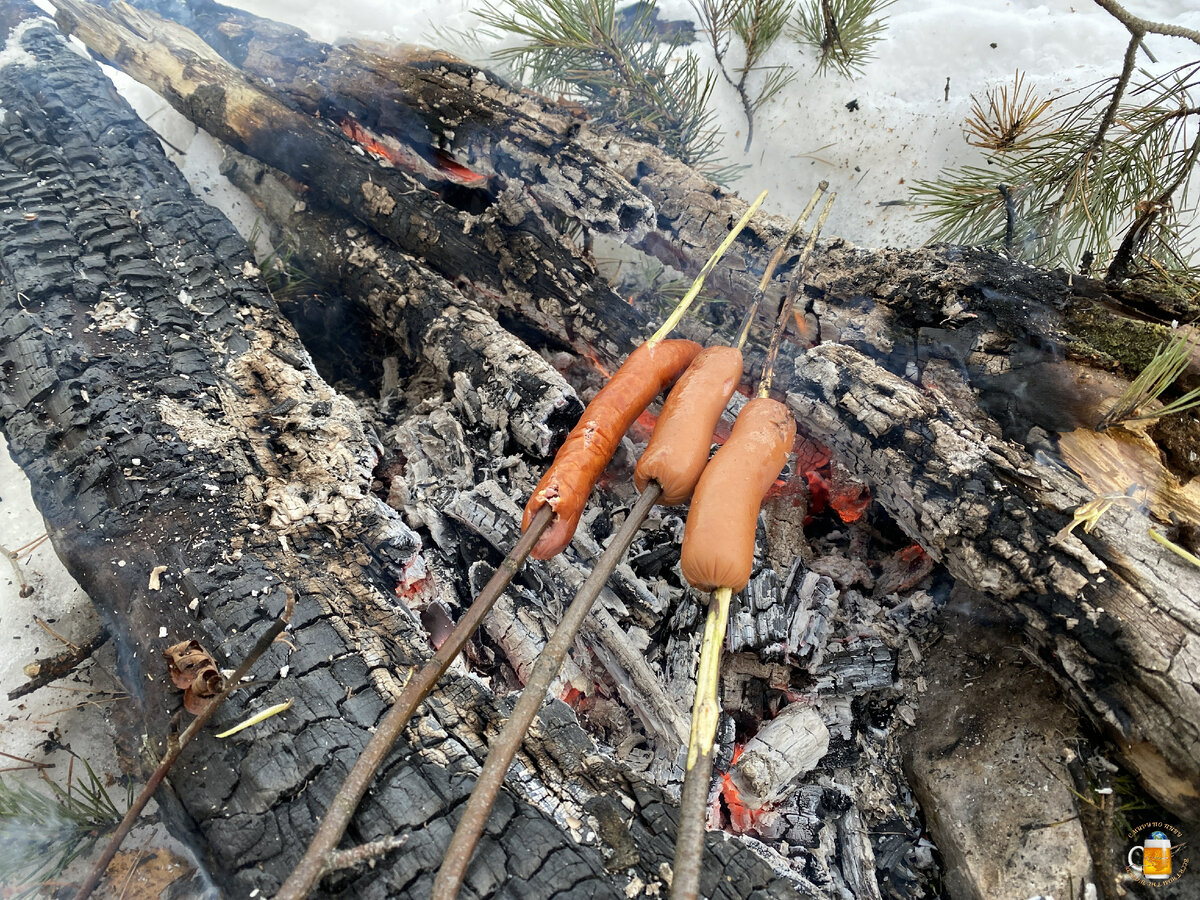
(1156, 857)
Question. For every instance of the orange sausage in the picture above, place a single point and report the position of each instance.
(590, 445)
(718, 540)
(678, 449)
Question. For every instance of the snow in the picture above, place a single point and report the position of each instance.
(906, 128)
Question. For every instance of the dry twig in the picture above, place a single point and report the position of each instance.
(176, 747)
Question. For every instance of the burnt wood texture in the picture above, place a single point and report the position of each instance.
(1107, 610)
(167, 415)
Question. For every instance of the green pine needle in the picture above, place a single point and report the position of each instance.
(42, 833)
(758, 25)
(842, 31)
(1168, 364)
(619, 67)
(1082, 183)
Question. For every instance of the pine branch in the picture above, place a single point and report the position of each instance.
(620, 68)
(1106, 163)
(757, 25)
(842, 31)
(1142, 27)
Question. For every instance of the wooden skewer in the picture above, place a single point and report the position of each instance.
(316, 858)
(689, 841)
(504, 749)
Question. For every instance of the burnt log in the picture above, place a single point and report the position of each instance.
(1003, 354)
(188, 369)
(168, 416)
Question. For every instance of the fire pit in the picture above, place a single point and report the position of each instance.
(372, 456)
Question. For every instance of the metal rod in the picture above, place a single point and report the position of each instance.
(317, 858)
(500, 755)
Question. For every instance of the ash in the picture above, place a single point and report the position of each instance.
(833, 621)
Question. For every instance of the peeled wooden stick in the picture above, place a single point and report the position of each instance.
(718, 553)
(706, 712)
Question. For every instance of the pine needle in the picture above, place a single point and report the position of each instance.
(1008, 120)
(1094, 178)
(842, 31)
(1168, 364)
(619, 67)
(44, 832)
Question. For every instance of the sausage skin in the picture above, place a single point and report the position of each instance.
(592, 442)
(718, 540)
(678, 449)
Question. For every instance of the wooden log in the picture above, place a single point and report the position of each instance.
(1110, 612)
(984, 506)
(896, 301)
(509, 247)
(167, 415)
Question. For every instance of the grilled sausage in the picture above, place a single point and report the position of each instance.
(590, 445)
(718, 540)
(678, 449)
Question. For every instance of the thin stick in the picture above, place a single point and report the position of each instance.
(500, 755)
(176, 747)
(504, 748)
(51, 668)
(30, 546)
(785, 308)
(11, 555)
(773, 264)
(706, 711)
(315, 862)
(672, 320)
(317, 858)
(45, 626)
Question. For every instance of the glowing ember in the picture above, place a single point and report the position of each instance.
(456, 170)
(850, 501)
(391, 151)
(414, 579)
(644, 426)
(741, 816)
(825, 489)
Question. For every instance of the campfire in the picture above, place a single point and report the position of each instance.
(369, 454)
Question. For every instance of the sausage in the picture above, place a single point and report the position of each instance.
(590, 445)
(718, 539)
(678, 449)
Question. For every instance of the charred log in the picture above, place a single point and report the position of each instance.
(208, 382)
(168, 416)
(1109, 611)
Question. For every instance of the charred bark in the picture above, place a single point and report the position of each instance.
(1110, 612)
(167, 415)
(135, 330)
(1004, 327)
